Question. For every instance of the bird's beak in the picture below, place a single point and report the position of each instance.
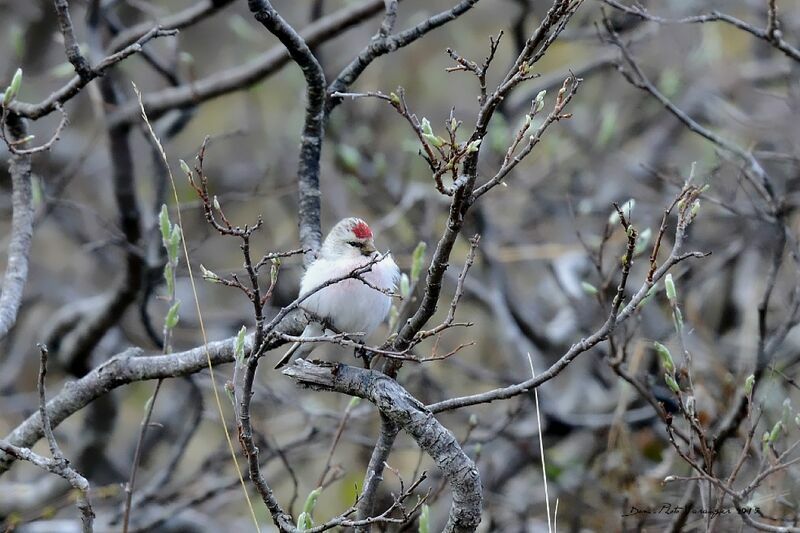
(368, 249)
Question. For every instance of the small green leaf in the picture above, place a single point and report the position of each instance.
(13, 88)
(36, 191)
(172, 317)
(748, 384)
(786, 416)
(425, 519)
(417, 259)
(229, 392)
(349, 156)
(174, 243)
(186, 168)
(164, 224)
(169, 278)
(695, 208)
(626, 208)
(669, 286)
(435, 140)
(304, 522)
(776, 430)
(425, 126)
(473, 146)
(588, 288)
(274, 269)
(405, 286)
(354, 401)
(671, 383)
(208, 275)
(539, 105)
(148, 405)
(643, 241)
(665, 356)
(238, 345)
(311, 500)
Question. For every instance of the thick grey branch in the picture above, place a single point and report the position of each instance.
(402, 409)
(21, 230)
(311, 140)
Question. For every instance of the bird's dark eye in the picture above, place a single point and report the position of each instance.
(356, 244)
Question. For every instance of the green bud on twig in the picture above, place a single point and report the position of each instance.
(425, 126)
(171, 320)
(13, 89)
(405, 286)
(626, 209)
(273, 270)
(238, 345)
(748, 384)
(775, 433)
(169, 279)
(695, 208)
(354, 401)
(165, 225)
(148, 404)
(311, 501)
(473, 146)
(229, 393)
(539, 101)
(417, 259)
(425, 519)
(643, 241)
(672, 384)
(208, 275)
(304, 522)
(669, 287)
(185, 168)
(435, 140)
(174, 243)
(588, 288)
(690, 406)
(665, 356)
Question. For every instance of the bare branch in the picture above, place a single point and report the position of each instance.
(21, 230)
(311, 143)
(395, 403)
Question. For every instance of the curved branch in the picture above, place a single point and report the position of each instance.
(21, 230)
(311, 144)
(383, 44)
(77, 83)
(397, 405)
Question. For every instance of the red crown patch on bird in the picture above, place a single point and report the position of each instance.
(361, 230)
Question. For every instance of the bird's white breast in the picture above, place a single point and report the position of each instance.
(350, 305)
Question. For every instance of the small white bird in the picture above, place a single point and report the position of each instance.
(350, 305)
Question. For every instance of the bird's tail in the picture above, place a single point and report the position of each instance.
(301, 349)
